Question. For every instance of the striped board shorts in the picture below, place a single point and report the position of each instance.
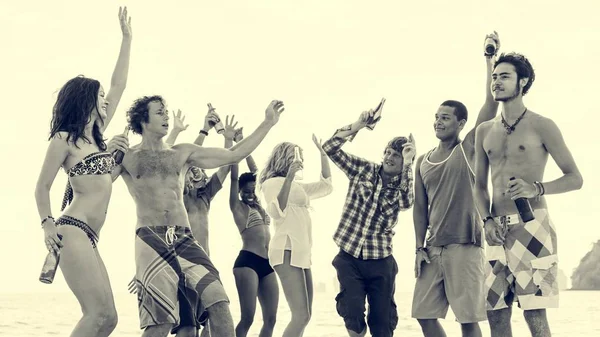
(169, 261)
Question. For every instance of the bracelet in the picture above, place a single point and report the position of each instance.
(540, 188)
(46, 218)
(204, 132)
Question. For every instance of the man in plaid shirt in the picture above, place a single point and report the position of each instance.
(365, 265)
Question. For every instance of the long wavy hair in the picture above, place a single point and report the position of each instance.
(279, 161)
(76, 102)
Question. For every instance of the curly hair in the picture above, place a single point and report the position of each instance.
(138, 112)
(76, 101)
(279, 161)
(523, 68)
(247, 177)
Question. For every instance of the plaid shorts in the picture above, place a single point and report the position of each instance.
(526, 266)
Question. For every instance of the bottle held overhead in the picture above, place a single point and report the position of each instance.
(376, 115)
(218, 125)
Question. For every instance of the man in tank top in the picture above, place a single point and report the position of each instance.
(449, 264)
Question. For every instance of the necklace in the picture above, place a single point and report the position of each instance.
(510, 128)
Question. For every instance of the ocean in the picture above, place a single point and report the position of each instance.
(55, 314)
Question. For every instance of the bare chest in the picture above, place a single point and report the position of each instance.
(143, 164)
(521, 145)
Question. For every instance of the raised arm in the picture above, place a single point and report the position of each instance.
(277, 192)
(323, 187)
(118, 81)
(57, 153)
(409, 152)
(233, 188)
(178, 127)
(228, 135)
(206, 157)
(325, 169)
(351, 165)
(210, 120)
(490, 106)
(239, 135)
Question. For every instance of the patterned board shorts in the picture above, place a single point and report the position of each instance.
(526, 267)
(172, 267)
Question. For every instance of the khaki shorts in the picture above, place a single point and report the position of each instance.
(526, 267)
(454, 277)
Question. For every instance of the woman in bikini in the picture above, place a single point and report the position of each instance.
(288, 203)
(80, 115)
(253, 274)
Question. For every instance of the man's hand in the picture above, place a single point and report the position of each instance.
(230, 130)
(365, 118)
(211, 119)
(495, 37)
(318, 143)
(125, 22)
(419, 258)
(239, 135)
(273, 111)
(118, 142)
(178, 120)
(134, 287)
(494, 234)
(409, 150)
(519, 188)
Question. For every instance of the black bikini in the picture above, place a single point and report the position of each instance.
(259, 264)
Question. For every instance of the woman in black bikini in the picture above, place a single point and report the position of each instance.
(253, 274)
(80, 115)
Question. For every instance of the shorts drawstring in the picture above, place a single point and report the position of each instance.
(170, 235)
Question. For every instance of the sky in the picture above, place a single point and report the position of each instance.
(327, 60)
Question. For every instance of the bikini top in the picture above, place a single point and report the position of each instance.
(96, 163)
(256, 219)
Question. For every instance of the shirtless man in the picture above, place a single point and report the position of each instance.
(168, 257)
(522, 257)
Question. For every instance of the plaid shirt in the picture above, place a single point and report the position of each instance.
(371, 210)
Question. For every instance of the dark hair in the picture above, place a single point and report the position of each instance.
(76, 101)
(138, 112)
(247, 177)
(460, 110)
(523, 68)
(397, 143)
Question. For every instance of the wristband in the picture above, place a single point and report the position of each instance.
(204, 132)
(420, 249)
(489, 217)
